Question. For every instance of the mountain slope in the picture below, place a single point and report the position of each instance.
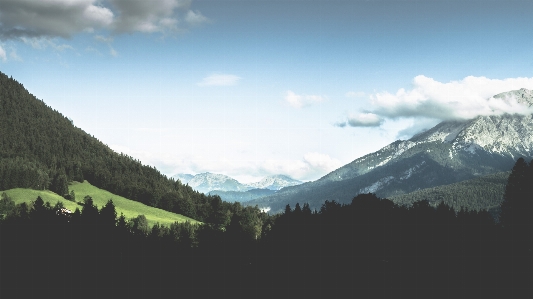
(450, 152)
(42, 149)
(480, 193)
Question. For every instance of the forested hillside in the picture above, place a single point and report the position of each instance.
(42, 149)
(477, 194)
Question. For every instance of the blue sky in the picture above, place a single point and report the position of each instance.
(253, 88)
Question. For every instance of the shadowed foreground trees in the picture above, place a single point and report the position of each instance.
(369, 248)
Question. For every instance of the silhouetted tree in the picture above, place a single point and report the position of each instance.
(516, 200)
(108, 214)
(89, 212)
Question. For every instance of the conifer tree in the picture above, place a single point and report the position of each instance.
(516, 197)
(108, 214)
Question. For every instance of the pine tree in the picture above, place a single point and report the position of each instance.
(515, 198)
(108, 214)
(89, 213)
(517, 208)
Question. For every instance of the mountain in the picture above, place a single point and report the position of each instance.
(230, 189)
(450, 152)
(205, 182)
(275, 182)
(183, 177)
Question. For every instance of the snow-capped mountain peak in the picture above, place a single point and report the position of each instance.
(275, 182)
(206, 182)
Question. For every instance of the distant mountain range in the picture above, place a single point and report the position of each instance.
(450, 152)
(209, 182)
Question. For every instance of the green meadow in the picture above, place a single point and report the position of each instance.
(129, 208)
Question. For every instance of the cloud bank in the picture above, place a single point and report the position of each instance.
(51, 18)
(464, 99)
(301, 101)
(431, 101)
(65, 18)
(219, 80)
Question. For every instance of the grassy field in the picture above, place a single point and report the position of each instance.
(129, 208)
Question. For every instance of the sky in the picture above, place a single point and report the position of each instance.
(253, 88)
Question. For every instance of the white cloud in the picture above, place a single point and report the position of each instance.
(321, 163)
(113, 52)
(195, 18)
(103, 39)
(301, 101)
(62, 47)
(36, 43)
(362, 120)
(430, 101)
(107, 40)
(311, 167)
(219, 80)
(416, 126)
(13, 54)
(93, 50)
(43, 43)
(3, 55)
(147, 16)
(462, 99)
(365, 120)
